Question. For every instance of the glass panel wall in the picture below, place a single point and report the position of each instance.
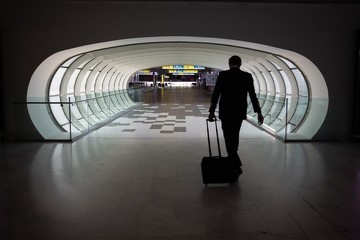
(285, 107)
(75, 116)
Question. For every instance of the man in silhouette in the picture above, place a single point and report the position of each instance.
(232, 87)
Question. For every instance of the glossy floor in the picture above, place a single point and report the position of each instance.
(139, 178)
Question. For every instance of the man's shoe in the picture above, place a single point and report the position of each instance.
(236, 159)
(238, 172)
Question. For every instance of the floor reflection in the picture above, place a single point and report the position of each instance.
(112, 184)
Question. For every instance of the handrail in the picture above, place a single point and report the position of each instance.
(271, 100)
(76, 101)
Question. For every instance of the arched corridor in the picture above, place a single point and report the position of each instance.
(88, 86)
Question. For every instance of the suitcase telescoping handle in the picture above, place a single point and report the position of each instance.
(217, 136)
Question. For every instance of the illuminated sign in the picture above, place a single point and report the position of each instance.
(183, 71)
(183, 67)
(147, 73)
(144, 72)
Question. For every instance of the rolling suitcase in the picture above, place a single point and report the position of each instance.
(217, 169)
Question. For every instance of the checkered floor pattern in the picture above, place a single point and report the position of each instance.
(173, 113)
(164, 118)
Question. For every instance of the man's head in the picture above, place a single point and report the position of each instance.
(235, 61)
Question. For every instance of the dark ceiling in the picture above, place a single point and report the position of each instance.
(193, 1)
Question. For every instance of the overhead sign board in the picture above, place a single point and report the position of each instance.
(184, 71)
(183, 67)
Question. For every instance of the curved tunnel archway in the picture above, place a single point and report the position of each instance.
(291, 89)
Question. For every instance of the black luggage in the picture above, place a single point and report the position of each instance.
(217, 169)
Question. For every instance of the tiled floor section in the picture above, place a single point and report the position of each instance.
(129, 181)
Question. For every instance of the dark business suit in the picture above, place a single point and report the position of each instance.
(232, 87)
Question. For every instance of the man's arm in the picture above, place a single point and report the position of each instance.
(214, 99)
(255, 103)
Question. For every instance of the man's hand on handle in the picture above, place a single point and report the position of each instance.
(211, 117)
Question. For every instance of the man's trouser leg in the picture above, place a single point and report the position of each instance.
(231, 130)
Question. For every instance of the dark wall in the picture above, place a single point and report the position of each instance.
(357, 91)
(2, 120)
(326, 34)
